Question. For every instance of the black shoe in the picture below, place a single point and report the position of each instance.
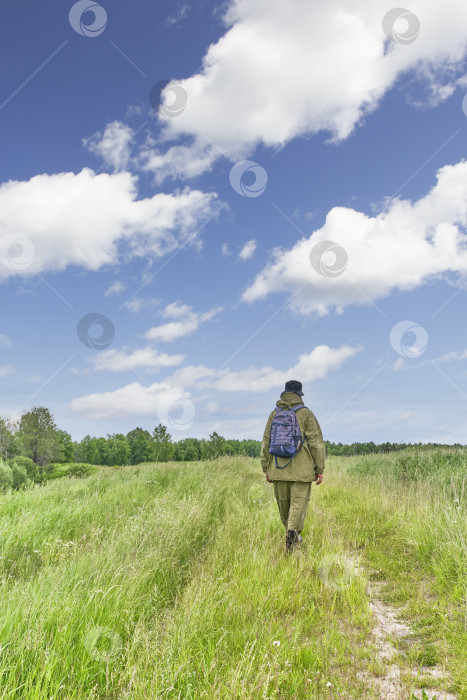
(291, 539)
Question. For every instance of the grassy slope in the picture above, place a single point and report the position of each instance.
(183, 567)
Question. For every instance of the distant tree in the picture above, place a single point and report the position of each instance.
(37, 436)
(86, 451)
(163, 445)
(188, 450)
(103, 451)
(6, 438)
(251, 448)
(141, 446)
(67, 447)
(79, 451)
(118, 449)
(217, 445)
(229, 449)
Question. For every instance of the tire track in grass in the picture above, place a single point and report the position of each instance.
(389, 628)
(393, 678)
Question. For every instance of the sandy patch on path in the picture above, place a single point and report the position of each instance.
(387, 631)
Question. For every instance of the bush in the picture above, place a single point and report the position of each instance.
(25, 463)
(6, 477)
(55, 471)
(19, 474)
(81, 471)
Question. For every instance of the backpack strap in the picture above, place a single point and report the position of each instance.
(286, 465)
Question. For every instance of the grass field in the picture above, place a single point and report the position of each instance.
(170, 581)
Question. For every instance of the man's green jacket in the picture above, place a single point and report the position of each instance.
(310, 460)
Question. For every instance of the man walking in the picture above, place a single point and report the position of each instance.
(293, 432)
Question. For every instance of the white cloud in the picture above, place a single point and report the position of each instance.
(135, 399)
(401, 248)
(187, 161)
(225, 249)
(6, 370)
(115, 288)
(453, 356)
(144, 358)
(131, 400)
(136, 304)
(52, 221)
(178, 17)
(248, 250)
(286, 69)
(186, 321)
(113, 146)
(192, 375)
(4, 340)
(315, 365)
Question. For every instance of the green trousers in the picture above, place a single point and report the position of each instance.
(292, 498)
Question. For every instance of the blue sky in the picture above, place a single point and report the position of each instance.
(355, 122)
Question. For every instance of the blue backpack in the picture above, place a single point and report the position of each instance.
(285, 439)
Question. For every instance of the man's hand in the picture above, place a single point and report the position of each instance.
(319, 480)
(270, 481)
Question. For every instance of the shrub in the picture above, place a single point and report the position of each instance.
(25, 463)
(19, 474)
(81, 471)
(6, 477)
(56, 471)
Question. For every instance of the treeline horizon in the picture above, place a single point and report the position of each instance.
(37, 437)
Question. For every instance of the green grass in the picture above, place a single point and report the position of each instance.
(406, 515)
(170, 581)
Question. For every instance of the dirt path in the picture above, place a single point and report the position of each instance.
(388, 631)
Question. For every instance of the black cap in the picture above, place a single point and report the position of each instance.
(294, 386)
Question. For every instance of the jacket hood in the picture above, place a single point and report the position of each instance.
(289, 398)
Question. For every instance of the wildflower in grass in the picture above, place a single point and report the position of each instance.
(276, 643)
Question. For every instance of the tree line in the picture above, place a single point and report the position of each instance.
(340, 449)
(36, 437)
